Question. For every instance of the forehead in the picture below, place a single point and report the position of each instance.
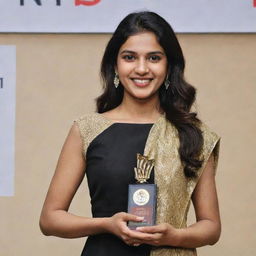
(143, 42)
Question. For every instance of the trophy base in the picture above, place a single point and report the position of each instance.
(142, 203)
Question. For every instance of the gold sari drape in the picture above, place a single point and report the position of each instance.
(174, 189)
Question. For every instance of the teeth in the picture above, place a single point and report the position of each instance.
(141, 81)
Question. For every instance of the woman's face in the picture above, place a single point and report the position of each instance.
(141, 65)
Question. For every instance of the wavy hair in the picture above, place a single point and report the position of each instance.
(176, 101)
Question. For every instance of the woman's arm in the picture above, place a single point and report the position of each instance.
(206, 231)
(55, 219)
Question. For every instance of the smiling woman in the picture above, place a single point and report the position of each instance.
(144, 108)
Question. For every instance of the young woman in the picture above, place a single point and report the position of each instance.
(145, 108)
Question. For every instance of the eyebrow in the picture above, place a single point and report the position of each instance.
(132, 52)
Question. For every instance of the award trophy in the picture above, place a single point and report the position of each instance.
(142, 196)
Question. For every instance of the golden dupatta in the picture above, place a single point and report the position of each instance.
(174, 189)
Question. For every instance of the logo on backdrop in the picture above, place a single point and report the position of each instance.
(254, 3)
(1, 83)
(58, 2)
(83, 2)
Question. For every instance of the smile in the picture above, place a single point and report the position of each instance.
(141, 82)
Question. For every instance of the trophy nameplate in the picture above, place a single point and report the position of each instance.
(142, 196)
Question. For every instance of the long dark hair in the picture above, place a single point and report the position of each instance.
(176, 102)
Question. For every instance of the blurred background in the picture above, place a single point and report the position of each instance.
(57, 80)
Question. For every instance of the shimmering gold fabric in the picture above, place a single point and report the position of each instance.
(90, 127)
(174, 189)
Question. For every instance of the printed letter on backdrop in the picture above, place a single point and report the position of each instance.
(7, 118)
(38, 2)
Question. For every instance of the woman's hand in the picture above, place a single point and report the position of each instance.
(159, 235)
(117, 225)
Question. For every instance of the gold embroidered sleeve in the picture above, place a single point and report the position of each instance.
(90, 126)
(211, 146)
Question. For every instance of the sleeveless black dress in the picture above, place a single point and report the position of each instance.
(110, 162)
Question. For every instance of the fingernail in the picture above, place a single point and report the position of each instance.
(140, 218)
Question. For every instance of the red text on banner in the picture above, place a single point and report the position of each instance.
(86, 2)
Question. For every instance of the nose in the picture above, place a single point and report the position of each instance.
(141, 67)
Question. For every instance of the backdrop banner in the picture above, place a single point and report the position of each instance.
(7, 118)
(102, 16)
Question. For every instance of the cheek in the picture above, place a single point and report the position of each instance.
(160, 69)
(161, 72)
(123, 68)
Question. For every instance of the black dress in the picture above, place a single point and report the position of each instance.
(110, 162)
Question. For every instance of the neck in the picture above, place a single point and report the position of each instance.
(140, 110)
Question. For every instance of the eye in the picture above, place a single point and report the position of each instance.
(154, 58)
(128, 57)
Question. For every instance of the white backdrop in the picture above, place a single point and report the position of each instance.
(79, 16)
(7, 118)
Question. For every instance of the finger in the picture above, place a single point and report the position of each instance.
(135, 235)
(132, 242)
(152, 243)
(152, 229)
(154, 240)
(130, 237)
(131, 217)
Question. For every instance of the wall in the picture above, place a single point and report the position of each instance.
(57, 81)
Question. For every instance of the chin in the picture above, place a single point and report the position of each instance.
(144, 96)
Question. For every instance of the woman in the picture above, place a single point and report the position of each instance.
(145, 108)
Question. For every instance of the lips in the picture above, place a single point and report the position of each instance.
(142, 82)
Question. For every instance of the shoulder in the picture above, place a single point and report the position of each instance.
(90, 125)
(211, 144)
(87, 119)
(90, 121)
(208, 134)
